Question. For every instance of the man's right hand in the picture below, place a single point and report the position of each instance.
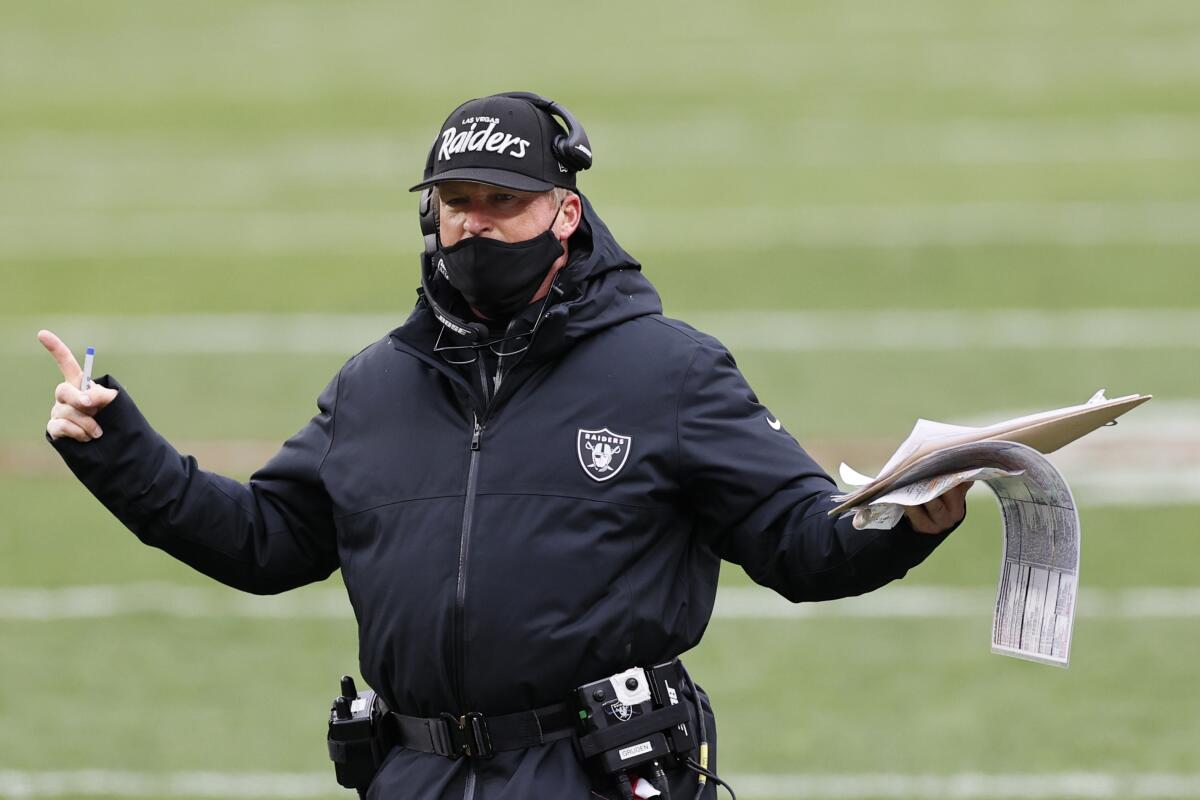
(73, 411)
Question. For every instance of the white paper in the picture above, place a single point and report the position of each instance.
(921, 492)
(850, 477)
(885, 512)
(928, 437)
(925, 430)
(1039, 572)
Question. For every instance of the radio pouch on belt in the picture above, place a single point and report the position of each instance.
(359, 739)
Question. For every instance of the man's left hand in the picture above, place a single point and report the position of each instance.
(941, 513)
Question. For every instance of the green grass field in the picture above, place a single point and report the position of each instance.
(197, 161)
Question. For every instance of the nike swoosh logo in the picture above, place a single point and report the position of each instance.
(774, 423)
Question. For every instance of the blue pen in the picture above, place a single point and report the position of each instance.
(85, 382)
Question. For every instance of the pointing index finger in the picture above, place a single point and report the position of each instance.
(67, 364)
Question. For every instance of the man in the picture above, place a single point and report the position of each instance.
(528, 486)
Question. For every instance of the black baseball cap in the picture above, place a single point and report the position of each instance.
(501, 141)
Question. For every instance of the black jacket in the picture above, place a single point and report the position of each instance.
(498, 554)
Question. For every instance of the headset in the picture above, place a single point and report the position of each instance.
(573, 150)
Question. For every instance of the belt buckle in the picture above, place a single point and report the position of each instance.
(469, 735)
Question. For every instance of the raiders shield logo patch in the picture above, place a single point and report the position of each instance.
(602, 453)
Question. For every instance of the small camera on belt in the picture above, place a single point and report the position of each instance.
(359, 738)
(635, 718)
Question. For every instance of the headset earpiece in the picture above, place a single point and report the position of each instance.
(573, 150)
(428, 214)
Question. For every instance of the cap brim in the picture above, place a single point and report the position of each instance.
(492, 177)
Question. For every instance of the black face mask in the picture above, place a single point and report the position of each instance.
(499, 278)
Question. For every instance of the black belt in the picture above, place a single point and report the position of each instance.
(476, 736)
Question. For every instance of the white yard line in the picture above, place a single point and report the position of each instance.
(733, 603)
(971, 786)
(348, 233)
(940, 602)
(743, 330)
(41, 165)
(118, 783)
(19, 784)
(1081, 224)
(912, 329)
(701, 141)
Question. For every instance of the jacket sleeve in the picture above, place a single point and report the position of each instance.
(266, 536)
(762, 499)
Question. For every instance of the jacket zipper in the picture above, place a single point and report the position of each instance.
(469, 789)
(464, 543)
(460, 597)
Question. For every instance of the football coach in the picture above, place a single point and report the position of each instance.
(528, 486)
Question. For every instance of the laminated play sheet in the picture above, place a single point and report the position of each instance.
(1039, 571)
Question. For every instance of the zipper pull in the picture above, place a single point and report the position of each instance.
(475, 435)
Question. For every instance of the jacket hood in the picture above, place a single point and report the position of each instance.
(602, 285)
(594, 250)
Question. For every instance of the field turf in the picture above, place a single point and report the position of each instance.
(193, 161)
